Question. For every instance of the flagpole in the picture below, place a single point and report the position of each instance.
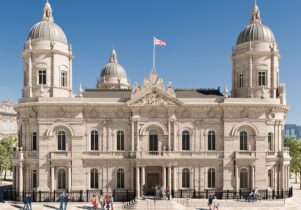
(154, 54)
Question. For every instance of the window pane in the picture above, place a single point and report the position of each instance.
(34, 179)
(120, 178)
(185, 140)
(34, 141)
(120, 140)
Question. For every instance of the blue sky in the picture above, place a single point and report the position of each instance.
(199, 35)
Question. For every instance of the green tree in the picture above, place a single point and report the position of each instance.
(6, 149)
(295, 153)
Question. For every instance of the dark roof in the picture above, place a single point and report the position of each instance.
(180, 93)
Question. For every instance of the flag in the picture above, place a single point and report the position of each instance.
(159, 42)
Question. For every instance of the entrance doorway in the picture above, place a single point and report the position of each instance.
(152, 180)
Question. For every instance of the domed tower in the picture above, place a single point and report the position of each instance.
(47, 60)
(255, 61)
(113, 75)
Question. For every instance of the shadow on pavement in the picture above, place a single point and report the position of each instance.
(85, 207)
(49, 206)
(17, 206)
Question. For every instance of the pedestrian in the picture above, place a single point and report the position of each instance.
(111, 202)
(107, 199)
(25, 201)
(168, 192)
(61, 199)
(210, 202)
(29, 201)
(65, 201)
(94, 202)
(102, 202)
(144, 191)
(215, 203)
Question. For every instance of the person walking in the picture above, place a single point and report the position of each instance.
(111, 202)
(61, 199)
(25, 201)
(168, 193)
(94, 202)
(107, 199)
(210, 202)
(29, 201)
(215, 203)
(65, 201)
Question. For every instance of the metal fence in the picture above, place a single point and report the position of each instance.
(230, 194)
(73, 196)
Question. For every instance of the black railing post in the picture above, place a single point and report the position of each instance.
(227, 194)
(194, 194)
(239, 194)
(54, 196)
(113, 194)
(181, 193)
(282, 193)
(87, 197)
(80, 195)
(40, 196)
(273, 194)
(266, 194)
(127, 196)
(206, 194)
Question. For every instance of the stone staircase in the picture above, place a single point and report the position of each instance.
(150, 204)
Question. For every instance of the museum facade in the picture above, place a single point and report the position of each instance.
(118, 137)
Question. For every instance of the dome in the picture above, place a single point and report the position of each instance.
(256, 31)
(113, 75)
(47, 29)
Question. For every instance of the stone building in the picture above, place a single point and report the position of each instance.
(115, 137)
(8, 119)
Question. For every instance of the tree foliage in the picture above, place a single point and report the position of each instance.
(295, 153)
(6, 149)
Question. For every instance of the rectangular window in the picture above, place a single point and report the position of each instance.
(42, 77)
(34, 141)
(63, 79)
(261, 78)
(241, 80)
(34, 179)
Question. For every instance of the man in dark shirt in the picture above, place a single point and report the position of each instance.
(210, 202)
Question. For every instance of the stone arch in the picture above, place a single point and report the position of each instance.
(160, 125)
(235, 129)
(51, 129)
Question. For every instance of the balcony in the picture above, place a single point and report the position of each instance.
(26, 155)
(108, 155)
(179, 154)
(60, 155)
(245, 155)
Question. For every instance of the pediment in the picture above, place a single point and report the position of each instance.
(154, 97)
(153, 92)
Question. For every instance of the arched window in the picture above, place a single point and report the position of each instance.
(94, 178)
(120, 178)
(61, 179)
(34, 179)
(211, 178)
(244, 178)
(120, 140)
(94, 140)
(185, 140)
(243, 137)
(270, 178)
(270, 140)
(61, 140)
(185, 178)
(211, 140)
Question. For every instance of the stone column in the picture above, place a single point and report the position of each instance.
(137, 135)
(143, 175)
(69, 178)
(30, 74)
(175, 179)
(169, 145)
(133, 137)
(253, 177)
(174, 137)
(288, 176)
(169, 178)
(104, 139)
(164, 176)
(21, 177)
(52, 178)
(250, 75)
(237, 178)
(283, 177)
(137, 182)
